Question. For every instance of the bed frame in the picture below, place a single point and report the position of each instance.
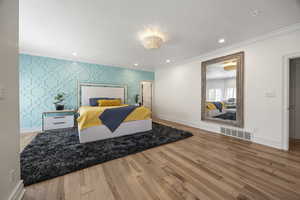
(90, 90)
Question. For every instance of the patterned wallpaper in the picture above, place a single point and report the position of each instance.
(41, 78)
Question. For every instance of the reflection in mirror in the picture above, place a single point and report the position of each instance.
(222, 89)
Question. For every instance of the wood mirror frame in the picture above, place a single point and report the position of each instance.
(239, 122)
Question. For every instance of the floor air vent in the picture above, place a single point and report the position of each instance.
(241, 134)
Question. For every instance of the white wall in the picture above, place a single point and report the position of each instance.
(9, 105)
(178, 88)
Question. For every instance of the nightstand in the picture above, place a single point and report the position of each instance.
(57, 119)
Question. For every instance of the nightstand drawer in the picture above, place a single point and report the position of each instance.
(58, 122)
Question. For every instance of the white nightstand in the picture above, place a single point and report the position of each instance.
(59, 119)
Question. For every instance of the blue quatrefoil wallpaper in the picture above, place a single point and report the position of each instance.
(41, 78)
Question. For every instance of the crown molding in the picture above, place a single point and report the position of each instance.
(270, 35)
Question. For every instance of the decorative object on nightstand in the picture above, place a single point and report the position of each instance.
(58, 100)
(137, 100)
(57, 119)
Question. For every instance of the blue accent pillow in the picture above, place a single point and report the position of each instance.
(93, 101)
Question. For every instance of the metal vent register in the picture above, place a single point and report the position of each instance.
(244, 135)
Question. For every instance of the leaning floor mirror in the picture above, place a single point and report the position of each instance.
(223, 90)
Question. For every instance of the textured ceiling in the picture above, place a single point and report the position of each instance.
(105, 32)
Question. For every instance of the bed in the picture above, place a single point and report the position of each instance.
(220, 110)
(138, 121)
(214, 108)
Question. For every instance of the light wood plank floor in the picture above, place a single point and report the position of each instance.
(26, 138)
(206, 166)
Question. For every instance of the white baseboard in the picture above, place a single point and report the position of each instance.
(216, 129)
(267, 142)
(168, 118)
(207, 126)
(18, 192)
(30, 130)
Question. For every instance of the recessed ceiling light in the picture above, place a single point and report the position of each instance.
(168, 61)
(136, 64)
(221, 40)
(74, 54)
(255, 12)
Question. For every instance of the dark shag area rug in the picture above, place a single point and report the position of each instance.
(56, 153)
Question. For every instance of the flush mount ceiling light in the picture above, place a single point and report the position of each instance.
(168, 61)
(221, 40)
(228, 66)
(136, 64)
(152, 38)
(74, 54)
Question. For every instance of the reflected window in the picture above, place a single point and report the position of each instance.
(230, 93)
(214, 94)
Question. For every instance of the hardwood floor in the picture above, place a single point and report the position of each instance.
(26, 139)
(206, 166)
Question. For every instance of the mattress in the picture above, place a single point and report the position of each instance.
(102, 132)
(89, 116)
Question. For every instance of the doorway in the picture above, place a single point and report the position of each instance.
(294, 105)
(146, 88)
